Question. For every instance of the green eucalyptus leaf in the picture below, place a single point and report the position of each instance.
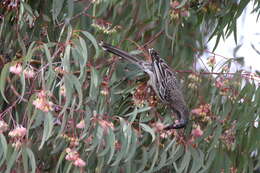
(4, 148)
(11, 161)
(47, 129)
(185, 161)
(57, 7)
(111, 143)
(93, 41)
(61, 158)
(144, 160)
(4, 75)
(149, 130)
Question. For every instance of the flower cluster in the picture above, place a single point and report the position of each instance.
(73, 156)
(3, 126)
(211, 61)
(211, 7)
(197, 132)
(152, 100)
(167, 134)
(29, 73)
(42, 102)
(81, 124)
(59, 70)
(222, 84)
(11, 4)
(17, 136)
(227, 87)
(106, 125)
(18, 69)
(203, 112)
(228, 137)
(63, 90)
(105, 27)
(176, 12)
(158, 127)
(18, 132)
(142, 95)
(14, 5)
(105, 86)
(195, 80)
(72, 140)
(89, 139)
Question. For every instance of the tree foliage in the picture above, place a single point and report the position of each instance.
(66, 106)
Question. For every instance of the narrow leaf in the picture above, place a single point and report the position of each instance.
(143, 161)
(70, 8)
(48, 125)
(25, 160)
(75, 82)
(4, 74)
(3, 148)
(111, 142)
(149, 130)
(93, 41)
(185, 161)
(32, 159)
(22, 79)
(11, 161)
(56, 6)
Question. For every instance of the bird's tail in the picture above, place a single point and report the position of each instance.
(121, 53)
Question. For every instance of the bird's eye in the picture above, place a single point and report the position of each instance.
(152, 52)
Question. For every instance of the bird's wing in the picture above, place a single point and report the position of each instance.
(163, 74)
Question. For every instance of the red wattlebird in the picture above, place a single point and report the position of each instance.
(163, 81)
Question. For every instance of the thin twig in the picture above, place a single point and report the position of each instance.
(153, 38)
(78, 15)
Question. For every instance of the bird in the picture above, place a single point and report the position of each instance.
(163, 80)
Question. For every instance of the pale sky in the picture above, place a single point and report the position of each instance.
(248, 32)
